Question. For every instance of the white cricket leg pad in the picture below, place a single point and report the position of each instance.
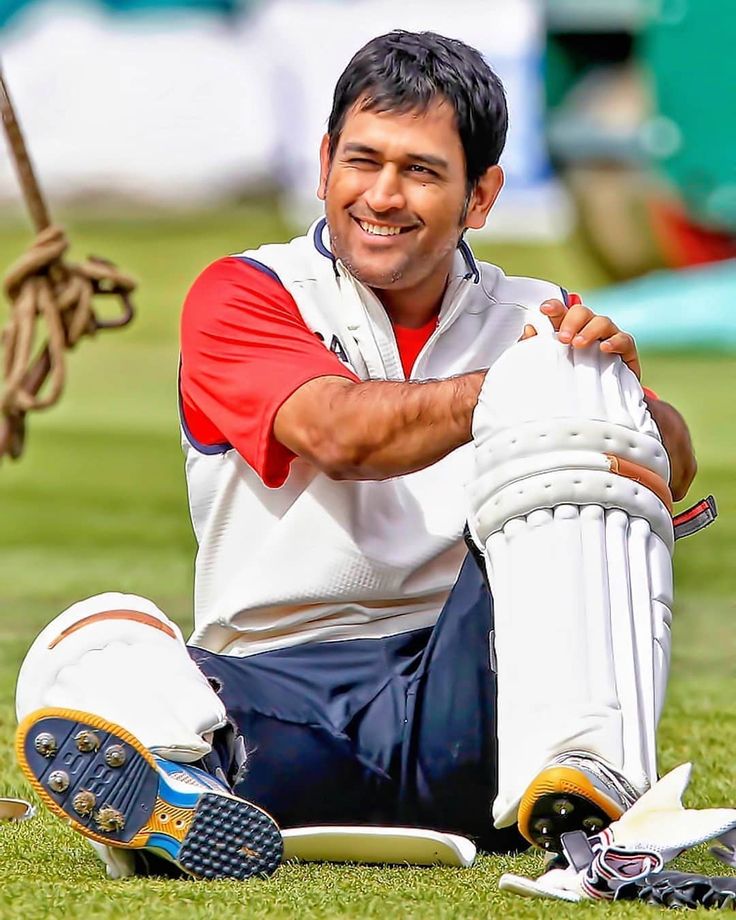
(118, 656)
(571, 507)
(119, 863)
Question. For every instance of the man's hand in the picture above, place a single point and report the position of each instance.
(578, 326)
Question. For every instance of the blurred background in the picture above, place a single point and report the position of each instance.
(622, 130)
(167, 133)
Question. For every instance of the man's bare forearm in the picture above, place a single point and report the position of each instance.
(378, 429)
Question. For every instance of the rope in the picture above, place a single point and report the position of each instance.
(50, 300)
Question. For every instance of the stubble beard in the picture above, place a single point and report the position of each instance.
(381, 280)
(370, 277)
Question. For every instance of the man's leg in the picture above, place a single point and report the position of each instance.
(112, 714)
(319, 727)
(571, 509)
(449, 753)
(397, 731)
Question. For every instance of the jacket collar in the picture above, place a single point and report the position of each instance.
(467, 266)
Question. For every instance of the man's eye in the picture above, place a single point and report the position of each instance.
(361, 161)
(423, 171)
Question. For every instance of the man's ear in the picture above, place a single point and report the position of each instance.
(483, 197)
(324, 167)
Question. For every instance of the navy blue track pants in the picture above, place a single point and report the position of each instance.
(395, 731)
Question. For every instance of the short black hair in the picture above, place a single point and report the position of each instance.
(408, 71)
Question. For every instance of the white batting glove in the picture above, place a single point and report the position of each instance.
(655, 830)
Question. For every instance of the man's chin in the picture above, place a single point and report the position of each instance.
(374, 276)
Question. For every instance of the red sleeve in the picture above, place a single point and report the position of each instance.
(244, 350)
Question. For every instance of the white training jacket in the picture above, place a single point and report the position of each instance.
(317, 559)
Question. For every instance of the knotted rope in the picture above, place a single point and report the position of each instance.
(50, 300)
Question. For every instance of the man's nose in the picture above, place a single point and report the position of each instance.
(385, 193)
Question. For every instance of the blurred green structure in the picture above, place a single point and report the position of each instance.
(649, 84)
(690, 52)
(10, 8)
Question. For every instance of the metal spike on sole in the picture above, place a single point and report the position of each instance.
(550, 819)
(559, 800)
(116, 792)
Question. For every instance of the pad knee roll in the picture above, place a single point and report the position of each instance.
(120, 657)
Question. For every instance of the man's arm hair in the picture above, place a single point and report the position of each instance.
(377, 429)
(380, 429)
(679, 446)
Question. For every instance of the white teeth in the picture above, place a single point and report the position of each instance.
(379, 230)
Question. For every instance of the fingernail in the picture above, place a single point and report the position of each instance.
(564, 337)
(578, 340)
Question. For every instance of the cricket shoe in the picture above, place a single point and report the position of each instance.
(575, 792)
(99, 778)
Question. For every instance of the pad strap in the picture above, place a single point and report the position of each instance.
(696, 518)
(134, 615)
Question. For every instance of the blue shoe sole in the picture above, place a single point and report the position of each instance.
(99, 778)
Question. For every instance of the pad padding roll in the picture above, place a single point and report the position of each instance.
(578, 552)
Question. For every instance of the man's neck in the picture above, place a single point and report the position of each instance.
(416, 306)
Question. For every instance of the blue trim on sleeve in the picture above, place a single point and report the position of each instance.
(207, 449)
(467, 254)
(318, 244)
(259, 266)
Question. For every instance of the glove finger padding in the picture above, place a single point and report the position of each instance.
(659, 822)
(571, 508)
(681, 889)
(625, 860)
(555, 885)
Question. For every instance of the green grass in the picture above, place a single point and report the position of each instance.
(98, 502)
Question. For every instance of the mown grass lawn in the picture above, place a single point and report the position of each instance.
(98, 502)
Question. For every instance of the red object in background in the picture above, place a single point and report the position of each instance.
(684, 242)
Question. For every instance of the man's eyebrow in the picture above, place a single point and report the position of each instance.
(428, 159)
(352, 147)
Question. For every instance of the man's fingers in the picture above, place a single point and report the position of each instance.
(621, 343)
(580, 327)
(595, 329)
(574, 321)
(555, 311)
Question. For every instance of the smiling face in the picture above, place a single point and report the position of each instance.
(396, 200)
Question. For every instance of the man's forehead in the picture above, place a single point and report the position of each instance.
(369, 123)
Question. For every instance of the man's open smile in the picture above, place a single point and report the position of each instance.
(376, 229)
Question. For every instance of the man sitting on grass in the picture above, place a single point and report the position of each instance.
(351, 661)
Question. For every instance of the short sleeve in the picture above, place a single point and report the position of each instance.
(244, 350)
